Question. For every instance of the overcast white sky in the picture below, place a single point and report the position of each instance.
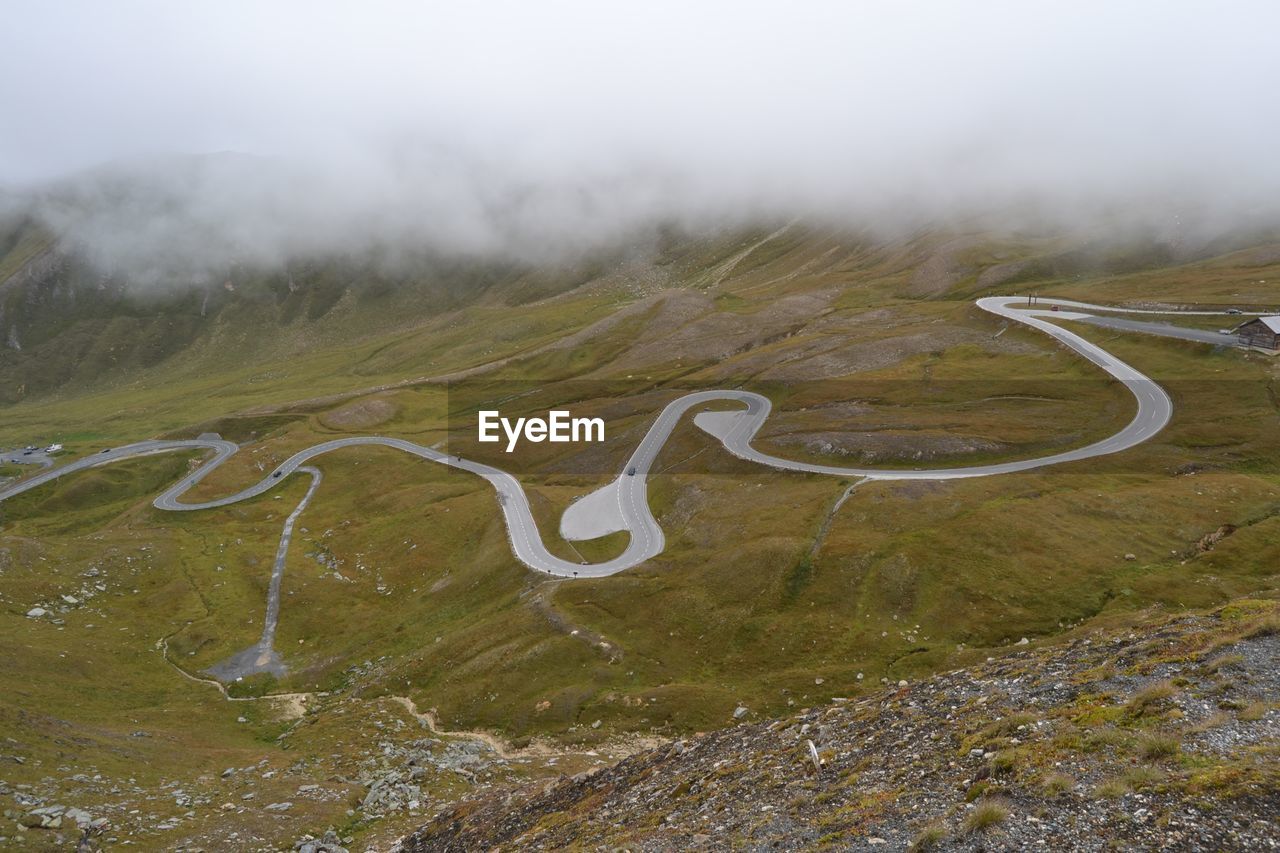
(487, 122)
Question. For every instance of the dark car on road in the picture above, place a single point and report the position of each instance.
(631, 472)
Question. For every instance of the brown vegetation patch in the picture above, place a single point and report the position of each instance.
(871, 447)
(360, 414)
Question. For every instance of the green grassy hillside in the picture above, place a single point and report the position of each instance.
(400, 582)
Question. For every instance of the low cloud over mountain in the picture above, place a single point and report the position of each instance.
(535, 130)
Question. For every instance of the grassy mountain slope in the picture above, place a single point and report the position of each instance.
(400, 582)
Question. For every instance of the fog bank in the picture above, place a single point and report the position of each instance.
(538, 130)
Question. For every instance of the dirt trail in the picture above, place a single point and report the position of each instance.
(724, 270)
(831, 514)
(290, 705)
(498, 745)
(539, 748)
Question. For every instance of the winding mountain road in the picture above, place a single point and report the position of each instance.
(623, 504)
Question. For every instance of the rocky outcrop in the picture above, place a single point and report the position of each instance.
(391, 780)
(1160, 737)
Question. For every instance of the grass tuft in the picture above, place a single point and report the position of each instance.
(1155, 747)
(1252, 712)
(1221, 662)
(1005, 761)
(985, 815)
(1268, 626)
(1112, 789)
(1056, 784)
(928, 838)
(1137, 778)
(1150, 698)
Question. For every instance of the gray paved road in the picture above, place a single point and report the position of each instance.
(736, 429)
(1164, 330)
(629, 492)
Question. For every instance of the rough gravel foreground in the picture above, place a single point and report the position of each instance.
(1166, 736)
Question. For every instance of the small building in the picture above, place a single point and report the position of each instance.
(1262, 332)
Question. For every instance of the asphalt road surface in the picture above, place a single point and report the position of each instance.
(1164, 330)
(26, 457)
(626, 498)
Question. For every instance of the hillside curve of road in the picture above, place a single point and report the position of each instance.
(623, 504)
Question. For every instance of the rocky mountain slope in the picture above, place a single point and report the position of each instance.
(1159, 736)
